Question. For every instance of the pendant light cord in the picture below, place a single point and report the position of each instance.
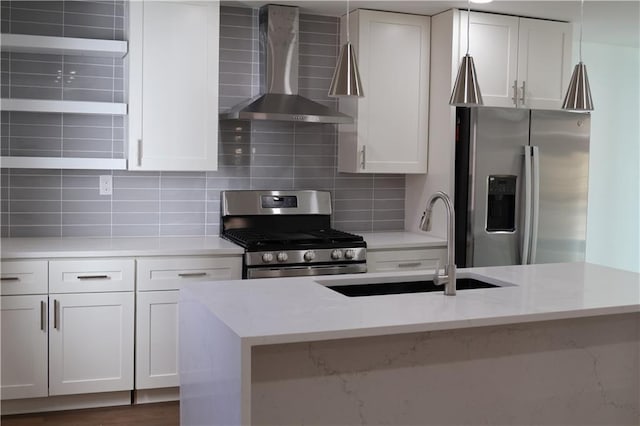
(348, 36)
(468, 20)
(581, 23)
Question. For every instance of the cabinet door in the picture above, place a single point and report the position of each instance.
(24, 346)
(493, 44)
(90, 342)
(391, 120)
(173, 105)
(544, 63)
(157, 339)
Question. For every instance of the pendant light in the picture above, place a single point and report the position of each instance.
(578, 97)
(346, 77)
(466, 91)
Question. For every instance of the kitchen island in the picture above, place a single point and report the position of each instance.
(554, 344)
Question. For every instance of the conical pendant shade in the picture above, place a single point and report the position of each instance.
(578, 96)
(346, 77)
(466, 91)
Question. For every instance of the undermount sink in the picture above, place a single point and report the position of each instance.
(379, 289)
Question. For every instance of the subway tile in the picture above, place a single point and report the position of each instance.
(85, 206)
(35, 130)
(233, 90)
(51, 6)
(319, 72)
(350, 181)
(35, 16)
(182, 218)
(182, 230)
(34, 193)
(42, 231)
(315, 82)
(353, 194)
(88, 32)
(261, 137)
(182, 194)
(34, 218)
(36, 80)
(236, 43)
(388, 204)
(318, 38)
(389, 194)
(272, 149)
(196, 206)
(235, 68)
(352, 215)
(135, 218)
(390, 225)
(87, 145)
(313, 172)
(353, 226)
(236, 20)
(218, 184)
(139, 182)
(33, 181)
(29, 206)
(84, 19)
(86, 218)
(315, 183)
(89, 7)
(238, 79)
(125, 194)
(89, 95)
(76, 194)
(351, 204)
(228, 31)
(308, 138)
(272, 183)
(316, 161)
(388, 182)
(182, 182)
(134, 206)
(86, 231)
(387, 215)
(317, 61)
(134, 230)
(41, 118)
(31, 28)
(258, 127)
(315, 150)
(36, 93)
(73, 60)
(272, 160)
(271, 172)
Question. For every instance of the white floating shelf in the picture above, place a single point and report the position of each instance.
(77, 107)
(26, 43)
(63, 163)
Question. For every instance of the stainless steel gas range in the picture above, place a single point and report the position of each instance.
(288, 233)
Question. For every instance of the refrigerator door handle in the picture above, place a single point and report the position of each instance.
(536, 203)
(526, 239)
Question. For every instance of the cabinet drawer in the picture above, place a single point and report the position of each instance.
(23, 277)
(169, 273)
(91, 275)
(405, 260)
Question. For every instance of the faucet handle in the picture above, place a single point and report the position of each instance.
(436, 274)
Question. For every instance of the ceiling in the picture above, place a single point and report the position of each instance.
(609, 22)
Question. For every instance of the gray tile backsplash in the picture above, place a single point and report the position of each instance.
(252, 155)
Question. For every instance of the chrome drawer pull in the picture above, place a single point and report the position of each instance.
(43, 314)
(93, 277)
(10, 279)
(56, 314)
(192, 274)
(409, 265)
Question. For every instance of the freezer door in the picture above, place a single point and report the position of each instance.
(562, 139)
(500, 135)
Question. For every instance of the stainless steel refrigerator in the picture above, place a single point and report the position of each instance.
(520, 186)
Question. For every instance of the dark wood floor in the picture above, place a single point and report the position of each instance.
(162, 414)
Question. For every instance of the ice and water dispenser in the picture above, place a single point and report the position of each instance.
(501, 203)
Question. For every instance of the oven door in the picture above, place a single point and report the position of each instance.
(305, 270)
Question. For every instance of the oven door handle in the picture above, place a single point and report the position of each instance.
(305, 271)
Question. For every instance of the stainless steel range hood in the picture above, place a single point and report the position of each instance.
(279, 99)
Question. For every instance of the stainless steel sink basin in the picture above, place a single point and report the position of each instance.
(378, 289)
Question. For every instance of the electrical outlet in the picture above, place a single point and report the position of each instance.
(106, 185)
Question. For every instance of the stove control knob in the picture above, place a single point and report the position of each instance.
(282, 257)
(336, 254)
(349, 253)
(267, 257)
(310, 255)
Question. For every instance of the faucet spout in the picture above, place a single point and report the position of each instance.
(449, 276)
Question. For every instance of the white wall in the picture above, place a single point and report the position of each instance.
(613, 224)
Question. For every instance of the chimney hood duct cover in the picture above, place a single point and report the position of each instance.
(280, 101)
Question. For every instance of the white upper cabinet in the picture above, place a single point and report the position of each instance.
(173, 77)
(389, 134)
(520, 62)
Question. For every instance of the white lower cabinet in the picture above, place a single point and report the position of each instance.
(157, 341)
(405, 259)
(24, 346)
(158, 281)
(90, 342)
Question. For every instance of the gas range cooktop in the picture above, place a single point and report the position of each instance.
(288, 233)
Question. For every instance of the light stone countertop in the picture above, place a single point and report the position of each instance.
(401, 240)
(33, 248)
(299, 309)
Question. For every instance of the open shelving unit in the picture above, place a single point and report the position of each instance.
(25, 43)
